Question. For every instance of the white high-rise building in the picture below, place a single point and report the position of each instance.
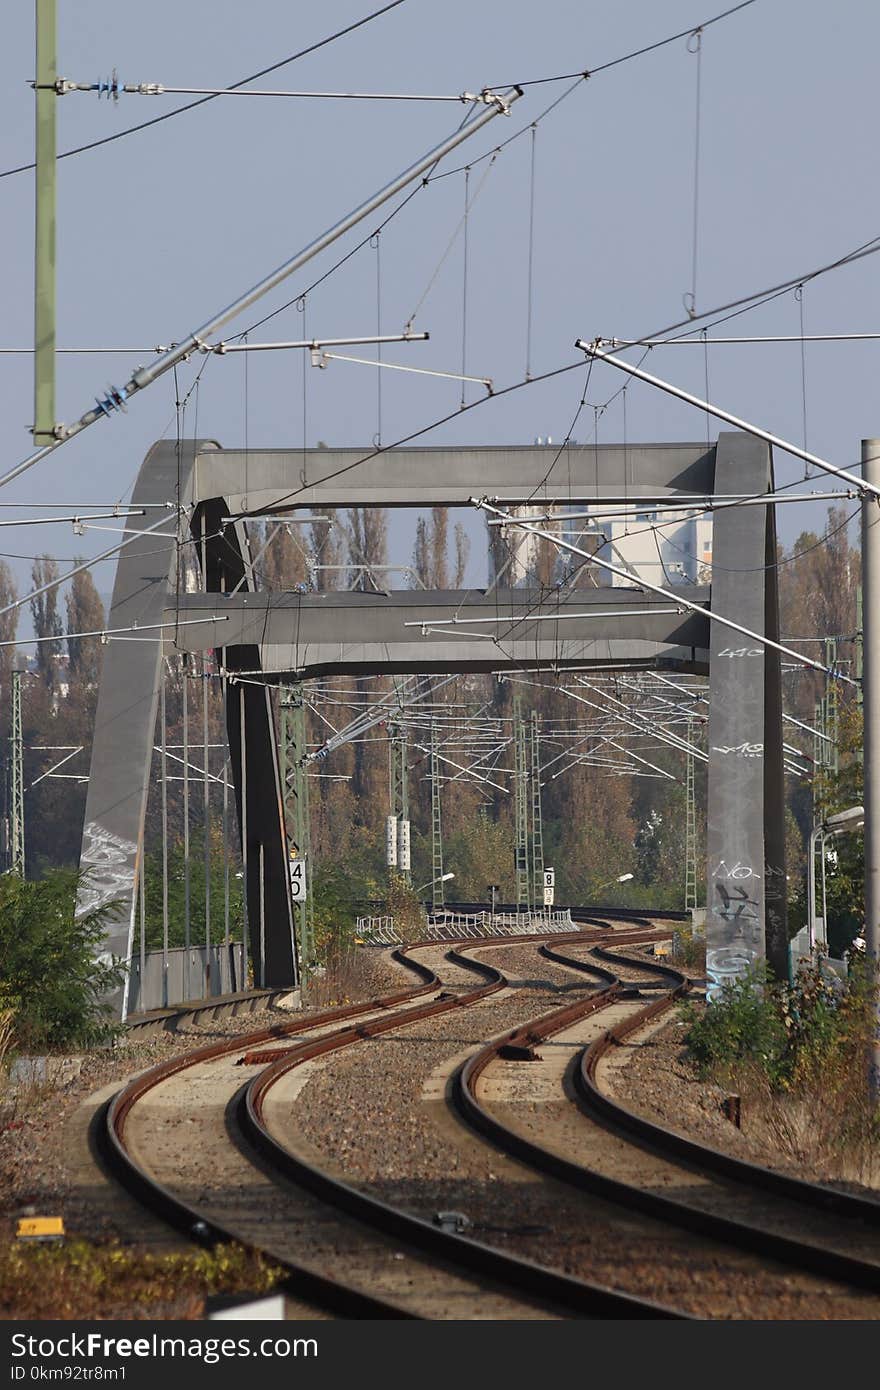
(662, 546)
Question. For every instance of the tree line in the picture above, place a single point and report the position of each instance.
(596, 825)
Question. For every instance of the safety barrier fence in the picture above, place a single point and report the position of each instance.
(452, 926)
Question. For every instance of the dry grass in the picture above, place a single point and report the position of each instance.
(78, 1280)
(7, 1035)
(826, 1124)
(340, 982)
(689, 950)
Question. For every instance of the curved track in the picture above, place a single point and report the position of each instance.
(679, 1182)
(389, 1264)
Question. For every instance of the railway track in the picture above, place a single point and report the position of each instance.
(808, 1227)
(188, 1139)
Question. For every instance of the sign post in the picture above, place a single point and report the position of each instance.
(549, 886)
(493, 897)
(298, 886)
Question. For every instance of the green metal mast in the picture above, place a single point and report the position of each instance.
(17, 797)
(537, 821)
(690, 839)
(437, 896)
(295, 790)
(521, 806)
(44, 222)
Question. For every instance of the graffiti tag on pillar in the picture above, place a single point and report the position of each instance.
(736, 871)
(108, 861)
(736, 905)
(742, 750)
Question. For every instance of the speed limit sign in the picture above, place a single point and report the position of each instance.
(298, 891)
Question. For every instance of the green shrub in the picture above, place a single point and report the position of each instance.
(744, 1026)
(51, 978)
(334, 893)
(796, 1036)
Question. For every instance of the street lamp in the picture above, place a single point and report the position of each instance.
(431, 881)
(838, 824)
(624, 878)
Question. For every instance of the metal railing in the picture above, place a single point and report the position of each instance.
(451, 925)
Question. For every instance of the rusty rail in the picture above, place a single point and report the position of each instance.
(300, 1282)
(527, 1278)
(804, 1255)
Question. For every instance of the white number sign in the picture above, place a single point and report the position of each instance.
(298, 892)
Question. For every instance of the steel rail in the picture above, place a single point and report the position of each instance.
(524, 1276)
(109, 1135)
(698, 1156)
(803, 1255)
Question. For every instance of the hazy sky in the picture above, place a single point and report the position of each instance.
(157, 231)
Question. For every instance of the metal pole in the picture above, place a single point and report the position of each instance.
(811, 888)
(437, 894)
(44, 238)
(860, 483)
(187, 941)
(262, 921)
(143, 919)
(521, 815)
(17, 763)
(690, 833)
(164, 842)
(822, 839)
(117, 396)
(244, 834)
(206, 832)
(537, 827)
(226, 849)
(871, 716)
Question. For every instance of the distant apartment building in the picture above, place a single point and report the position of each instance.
(662, 546)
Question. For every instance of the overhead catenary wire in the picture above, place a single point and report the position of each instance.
(637, 52)
(868, 249)
(86, 564)
(594, 351)
(865, 249)
(117, 397)
(801, 660)
(191, 105)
